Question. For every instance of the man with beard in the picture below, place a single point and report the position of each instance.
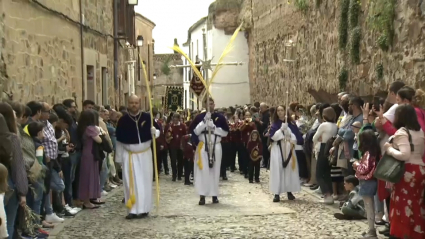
(133, 150)
(345, 137)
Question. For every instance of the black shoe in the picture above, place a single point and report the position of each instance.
(174, 179)
(246, 175)
(225, 178)
(215, 200)
(257, 180)
(276, 198)
(131, 216)
(341, 216)
(179, 178)
(202, 200)
(241, 172)
(250, 181)
(232, 170)
(380, 223)
(167, 173)
(314, 187)
(291, 196)
(188, 183)
(142, 215)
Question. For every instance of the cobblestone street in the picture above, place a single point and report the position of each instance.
(245, 211)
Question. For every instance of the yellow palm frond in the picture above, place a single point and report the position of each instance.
(226, 51)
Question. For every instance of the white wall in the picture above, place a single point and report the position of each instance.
(231, 85)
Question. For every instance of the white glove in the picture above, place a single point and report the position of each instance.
(207, 116)
(210, 124)
(153, 131)
(284, 126)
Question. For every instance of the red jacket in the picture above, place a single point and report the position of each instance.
(187, 148)
(174, 134)
(160, 141)
(255, 150)
(235, 133)
(246, 129)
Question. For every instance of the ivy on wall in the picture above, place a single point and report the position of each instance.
(379, 70)
(354, 11)
(381, 19)
(356, 36)
(343, 78)
(301, 5)
(343, 23)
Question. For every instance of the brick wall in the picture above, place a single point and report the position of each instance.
(314, 77)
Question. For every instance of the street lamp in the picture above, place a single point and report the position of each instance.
(133, 2)
(139, 41)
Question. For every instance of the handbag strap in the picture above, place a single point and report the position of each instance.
(412, 147)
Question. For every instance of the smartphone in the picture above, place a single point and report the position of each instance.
(376, 103)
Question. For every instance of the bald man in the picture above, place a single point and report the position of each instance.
(133, 150)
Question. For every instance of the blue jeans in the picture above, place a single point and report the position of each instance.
(104, 174)
(66, 170)
(35, 196)
(11, 209)
(56, 184)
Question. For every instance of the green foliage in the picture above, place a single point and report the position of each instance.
(343, 78)
(354, 11)
(356, 36)
(165, 68)
(343, 23)
(381, 19)
(379, 69)
(318, 2)
(301, 5)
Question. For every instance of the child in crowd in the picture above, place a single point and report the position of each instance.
(3, 189)
(188, 156)
(365, 167)
(353, 208)
(255, 151)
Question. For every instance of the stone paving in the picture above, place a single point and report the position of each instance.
(245, 211)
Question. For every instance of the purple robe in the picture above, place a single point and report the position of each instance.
(218, 119)
(127, 133)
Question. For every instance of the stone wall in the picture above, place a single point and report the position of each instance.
(42, 50)
(319, 60)
(166, 76)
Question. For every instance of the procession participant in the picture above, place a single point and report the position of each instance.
(161, 146)
(255, 150)
(188, 154)
(134, 135)
(226, 147)
(283, 160)
(234, 139)
(207, 170)
(246, 129)
(176, 130)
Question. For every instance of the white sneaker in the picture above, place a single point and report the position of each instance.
(328, 200)
(53, 218)
(113, 185)
(104, 193)
(73, 210)
(318, 191)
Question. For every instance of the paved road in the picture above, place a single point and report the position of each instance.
(245, 211)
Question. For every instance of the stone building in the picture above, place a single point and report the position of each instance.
(165, 76)
(359, 46)
(144, 28)
(55, 50)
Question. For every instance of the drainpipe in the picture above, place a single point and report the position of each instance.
(82, 53)
(116, 83)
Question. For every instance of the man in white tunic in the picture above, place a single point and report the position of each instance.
(207, 167)
(133, 150)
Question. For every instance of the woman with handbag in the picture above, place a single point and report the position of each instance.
(369, 145)
(89, 183)
(407, 212)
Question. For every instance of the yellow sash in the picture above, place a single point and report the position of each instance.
(199, 150)
(132, 200)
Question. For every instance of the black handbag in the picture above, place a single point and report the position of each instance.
(390, 169)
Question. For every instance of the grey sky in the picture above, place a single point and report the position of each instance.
(173, 19)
